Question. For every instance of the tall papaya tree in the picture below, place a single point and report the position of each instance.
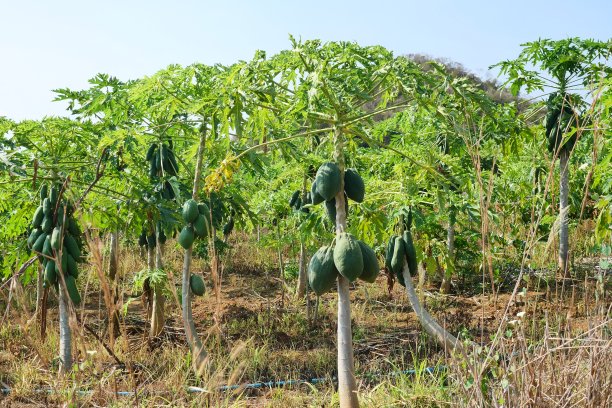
(568, 71)
(55, 156)
(323, 89)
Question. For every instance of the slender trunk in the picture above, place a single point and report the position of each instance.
(113, 268)
(450, 247)
(195, 344)
(157, 309)
(39, 289)
(447, 340)
(65, 340)
(563, 211)
(148, 290)
(113, 265)
(302, 275)
(347, 385)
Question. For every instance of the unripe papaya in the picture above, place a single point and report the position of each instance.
(72, 266)
(353, 185)
(411, 257)
(70, 245)
(38, 217)
(39, 243)
(328, 180)
(330, 209)
(397, 262)
(186, 237)
(200, 226)
(190, 211)
(33, 237)
(151, 151)
(294, 198)
(229, 226)
(196, 283)
(73, 292)
(315, 197)
(203, 209)
(47, 207)
(322, 272)
(47, 249)
(53, 196)
(56, 237)
(370, 263)
(50, 274)
(44, 190)
(347, 256)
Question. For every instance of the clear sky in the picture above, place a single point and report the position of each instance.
(48, 44)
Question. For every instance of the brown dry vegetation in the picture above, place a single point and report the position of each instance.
(555, 350)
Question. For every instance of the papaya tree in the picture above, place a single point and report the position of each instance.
(568, 72)
(55, 156)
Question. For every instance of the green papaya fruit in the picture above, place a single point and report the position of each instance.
(44, 190)
(150, 152)
(50, 275)
(173, 165)
(33, 237)
(73, 292)
(322, 272)
(315, 197)
(38, 217)
(63, 264)
(203, 209)
(397, 261)
(47, 207)
(353, 185)
(47, 224)
(39, 243)
(186, 237)
(71, 246)
(328, 180)
(53, 196)
(56, 237)
(370, 263)
(190, 211)
(196, 283)
(73, 228)
(411, 257)
(200, 226)
(294, 198)
(389, 253)
(347, 256)
(72, 266)
(47, 249)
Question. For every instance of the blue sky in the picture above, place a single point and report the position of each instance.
(54, 44)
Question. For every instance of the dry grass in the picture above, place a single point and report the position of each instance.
(555, 355)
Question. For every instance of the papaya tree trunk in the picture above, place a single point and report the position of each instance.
(157, 308)
(443, 337)
(148, 290)
(65, 340)
(347, 385)
(39, 289)
(195, 344)
(302, 272)
(113, 268)
(450, 248)
(113, 264)
(563, 211)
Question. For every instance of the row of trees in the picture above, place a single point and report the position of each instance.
(473, 172)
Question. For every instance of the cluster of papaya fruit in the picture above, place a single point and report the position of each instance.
(195, 216)
(346, 256)
(149, 238)
(559, 119)
(400, 248)
(349, 257)
(162, 160)
(57, 239)
(299, 203)
(327, 185)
